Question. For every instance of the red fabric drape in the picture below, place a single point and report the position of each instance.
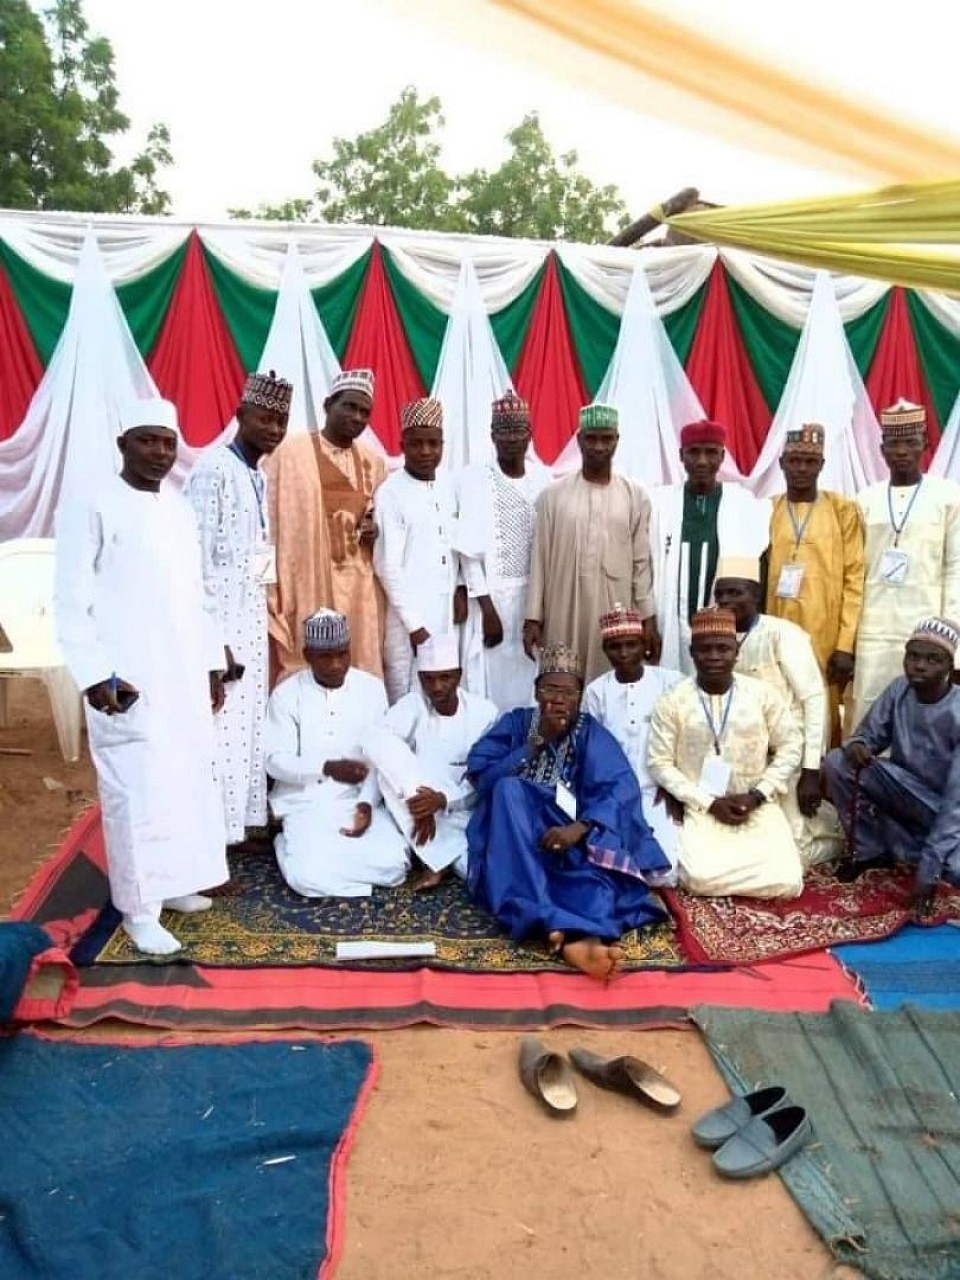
(896, 371)
(548, 374)
(378, 342)
(194, 362)
(20, 367)
(720, 372)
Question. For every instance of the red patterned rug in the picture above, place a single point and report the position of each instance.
(747, 931)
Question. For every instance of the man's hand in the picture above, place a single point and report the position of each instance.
(348, 772)
(492, 626)
(733, 811)
(560, 839)
(460, 605)
(809, 797)
(653, 644)
(424, 830)
(418, 637)
(532, 638)
(218, 693)
(921, 899)
(425, 803)
(112, 697)
(367, 529)
(859, 754)
(840, 668)
(362, 817)
(674, 808)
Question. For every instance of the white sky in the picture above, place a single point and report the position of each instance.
(253, 92)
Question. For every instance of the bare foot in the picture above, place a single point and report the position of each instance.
(555, 942)
(426, 880)
(593, 957)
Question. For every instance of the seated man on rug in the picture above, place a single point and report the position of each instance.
(337, 841)
(906, 808)
(559, 846)
(419, 752)
(724, 747)
(780, 653)
(623, 702)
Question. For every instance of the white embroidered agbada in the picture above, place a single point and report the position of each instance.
(762, 742)
(414, 746)
(743, 528)
(925, 582)
(418, 568)
(130, 602)
(626, 710)
(496, 528)
(307, 725)
(229, 499)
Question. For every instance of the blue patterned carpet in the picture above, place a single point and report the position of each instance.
(918, 966)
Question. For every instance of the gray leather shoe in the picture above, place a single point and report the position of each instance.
(548, 1077)
(765, 1143)
(719, 1125)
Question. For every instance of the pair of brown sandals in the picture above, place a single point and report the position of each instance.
(548, 1077)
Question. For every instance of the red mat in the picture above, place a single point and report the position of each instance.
(66, 895)
(739, 931)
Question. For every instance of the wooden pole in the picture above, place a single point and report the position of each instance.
(637, 230)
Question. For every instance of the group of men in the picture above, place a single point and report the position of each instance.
(567, 692)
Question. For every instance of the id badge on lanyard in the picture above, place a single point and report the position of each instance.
(790, 582)
(265, 564)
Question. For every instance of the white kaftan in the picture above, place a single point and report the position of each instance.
(307, 725)
(229, 499)
(743, 528)
(626, 710)
(497, 521)
(414, 746)
(908, 577)
(130, 602)
(761, 740)
(418, 568)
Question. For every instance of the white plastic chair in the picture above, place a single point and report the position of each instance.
(26, 617)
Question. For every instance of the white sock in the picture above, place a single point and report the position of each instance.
(149, 936)
(188, 904)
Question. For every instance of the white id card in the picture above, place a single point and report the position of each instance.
(265, 565)
(566, 801)
(893, 567)
(715, 775)
(791, 580)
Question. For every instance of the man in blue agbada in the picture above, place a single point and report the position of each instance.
(558, 844)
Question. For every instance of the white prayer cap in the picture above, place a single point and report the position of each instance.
(439, 653)
(361, 380)
(149, 413)
(746, 568)
(325, 630)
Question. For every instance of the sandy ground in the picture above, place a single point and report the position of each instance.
(455, 1171)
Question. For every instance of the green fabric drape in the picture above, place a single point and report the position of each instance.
(43, 301)
(681, 325)
(510, 323)
(336, 303)
(939, 354)
(593, 327)
(247, 309)
(863, 333)
(770, 342)
(145, 301)
(423, 323)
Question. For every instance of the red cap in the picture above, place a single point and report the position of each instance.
(703, 432)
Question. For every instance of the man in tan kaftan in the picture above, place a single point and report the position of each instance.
(591, 550)
(321, 487)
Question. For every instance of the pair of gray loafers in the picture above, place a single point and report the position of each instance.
(753, 1134)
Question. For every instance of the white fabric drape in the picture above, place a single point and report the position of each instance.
(946, 461)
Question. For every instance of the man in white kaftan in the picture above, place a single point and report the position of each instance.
(623, 701)
(691, 526)
(414, 556)
(141, 639)
(228, 491)
(912, 555)
(497, 506)
(337, 840)
(420, 754)
(724, 746)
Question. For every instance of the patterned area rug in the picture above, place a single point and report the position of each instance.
(745, 931)
(264, 923)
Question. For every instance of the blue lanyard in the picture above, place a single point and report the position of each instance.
(717, 735)
(800, 529)
(256, 480)
(899, 528)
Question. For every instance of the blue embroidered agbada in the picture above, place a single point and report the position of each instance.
(595, 889)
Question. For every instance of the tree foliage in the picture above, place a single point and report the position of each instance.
(60, 118)
(392, 176)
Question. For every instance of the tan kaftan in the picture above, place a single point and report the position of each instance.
(591, 550)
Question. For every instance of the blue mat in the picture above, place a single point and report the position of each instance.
(171, 1163)
(919, 965)
(19, 943)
